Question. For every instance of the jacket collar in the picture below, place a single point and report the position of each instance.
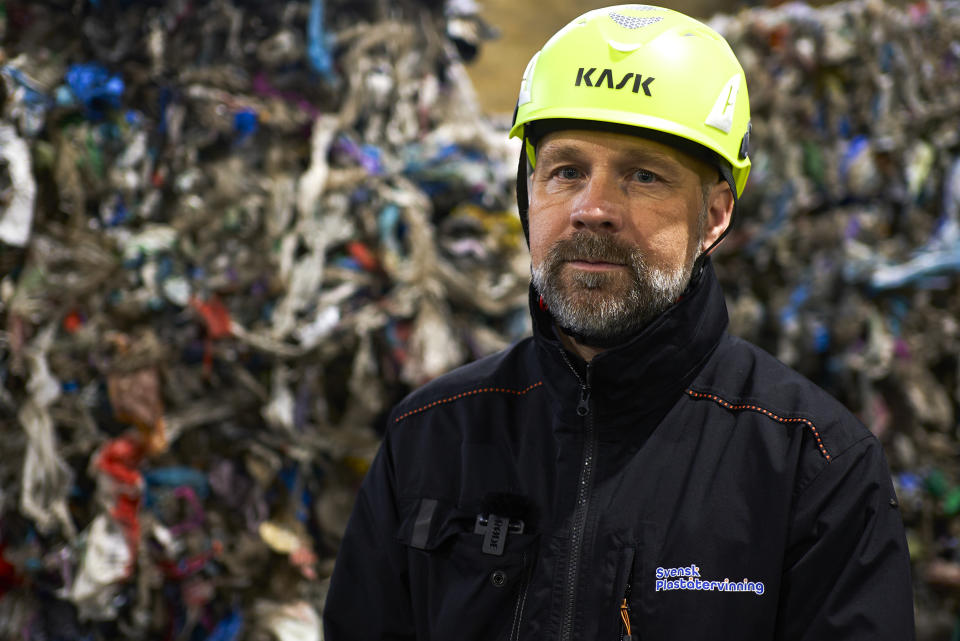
(645, 375)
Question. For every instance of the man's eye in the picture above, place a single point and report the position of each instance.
(644, 176)
(568, 173)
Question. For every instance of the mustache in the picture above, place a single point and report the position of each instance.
(596, 248)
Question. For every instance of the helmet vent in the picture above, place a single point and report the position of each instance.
(633, 22)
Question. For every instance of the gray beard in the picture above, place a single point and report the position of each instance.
(606, 307)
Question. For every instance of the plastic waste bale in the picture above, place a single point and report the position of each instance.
(232, 236)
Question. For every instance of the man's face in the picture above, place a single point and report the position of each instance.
(616, 222)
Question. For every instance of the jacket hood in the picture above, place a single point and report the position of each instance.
(647, 373)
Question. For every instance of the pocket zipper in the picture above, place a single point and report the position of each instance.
(521, 601)
(626, 633)
(625, 616)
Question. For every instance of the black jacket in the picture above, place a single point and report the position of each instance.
(686, 480)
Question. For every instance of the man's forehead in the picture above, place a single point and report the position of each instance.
(575, 141)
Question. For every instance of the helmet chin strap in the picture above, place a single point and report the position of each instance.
(523, 199)
(727, 175)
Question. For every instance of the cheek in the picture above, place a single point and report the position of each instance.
(538, 249)
(544, 232)
(665, 236)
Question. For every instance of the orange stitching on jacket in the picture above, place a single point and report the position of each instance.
(464, 395)
(765, 412)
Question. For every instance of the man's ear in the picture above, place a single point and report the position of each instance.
(719, 211)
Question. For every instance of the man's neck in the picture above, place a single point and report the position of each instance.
(586, 352)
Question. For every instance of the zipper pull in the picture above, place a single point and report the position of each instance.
(625, 611)
(583, 407)
(625, 616)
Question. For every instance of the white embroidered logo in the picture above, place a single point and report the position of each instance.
(688, 578)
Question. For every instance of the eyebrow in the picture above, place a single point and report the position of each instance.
(558, 153)
(566, 152)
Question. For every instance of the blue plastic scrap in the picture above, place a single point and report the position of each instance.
(95, 87)
(318, 51)
(229, 628)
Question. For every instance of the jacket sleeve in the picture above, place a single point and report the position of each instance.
(847, 570)
(369, 597)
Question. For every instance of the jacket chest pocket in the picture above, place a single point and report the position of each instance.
(468, 575)
(633, 602)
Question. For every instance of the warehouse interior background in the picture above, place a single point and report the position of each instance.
(233, 233)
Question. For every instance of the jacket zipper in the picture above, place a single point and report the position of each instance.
(583, 502)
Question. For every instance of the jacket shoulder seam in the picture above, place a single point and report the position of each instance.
(752, 407)
(803, 487)
(474, 392)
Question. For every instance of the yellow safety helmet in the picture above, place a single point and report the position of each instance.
(640, 66)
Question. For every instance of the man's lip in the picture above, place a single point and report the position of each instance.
(589, 265)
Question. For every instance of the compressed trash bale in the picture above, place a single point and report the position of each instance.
(225, 255)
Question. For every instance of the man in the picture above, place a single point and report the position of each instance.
(631, 471)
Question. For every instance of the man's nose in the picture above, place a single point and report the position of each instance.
(598, 207)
